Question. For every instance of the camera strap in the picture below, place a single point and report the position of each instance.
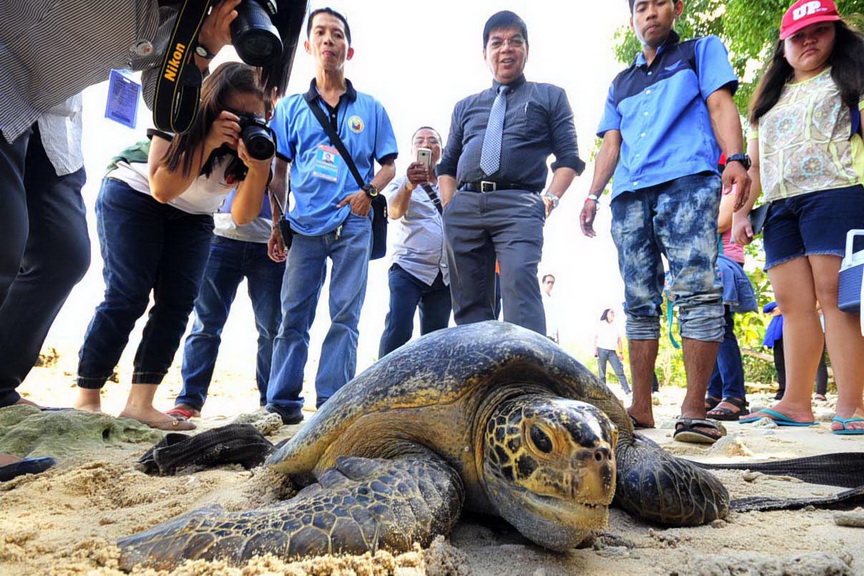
(178, 89)
(336, 141)
(433, 197)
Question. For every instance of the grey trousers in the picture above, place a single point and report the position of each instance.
(480, 228)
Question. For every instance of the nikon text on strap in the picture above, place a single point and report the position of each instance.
(178, 88)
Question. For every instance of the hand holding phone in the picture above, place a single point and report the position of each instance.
(424, 156)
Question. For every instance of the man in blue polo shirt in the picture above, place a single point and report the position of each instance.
(659, 144)
(330, 217)
(494, 170)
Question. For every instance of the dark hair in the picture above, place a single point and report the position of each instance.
(226, 80)
(633, 2)
(438, 134)
(333, 13)
(847, 71)
(543, 279)
(504, 19)
(604, 317)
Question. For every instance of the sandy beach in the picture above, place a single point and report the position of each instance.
(65, 521)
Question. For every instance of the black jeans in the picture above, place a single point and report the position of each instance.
(45, 252)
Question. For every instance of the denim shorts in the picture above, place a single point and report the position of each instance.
(812, 224)
(678, 220)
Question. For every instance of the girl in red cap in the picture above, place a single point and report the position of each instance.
(808, 159)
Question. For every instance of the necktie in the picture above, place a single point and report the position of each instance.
(490, 156)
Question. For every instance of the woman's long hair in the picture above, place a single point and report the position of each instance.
(605, 316)
(847, 71)
(228, 79)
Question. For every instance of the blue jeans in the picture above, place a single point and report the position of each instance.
(604, 355)
(727, 380)
(45, 252)
(229, 263)
(677, 219)
(146, 247)
(305, 272)
(407, 293)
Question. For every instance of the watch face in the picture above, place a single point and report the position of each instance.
(202, 52)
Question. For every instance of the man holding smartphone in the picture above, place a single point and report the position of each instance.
(493, 173)
(418, 276)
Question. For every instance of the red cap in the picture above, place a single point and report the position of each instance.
(803, 13)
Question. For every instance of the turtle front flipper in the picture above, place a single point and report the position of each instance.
(357, 506)
(660, 488)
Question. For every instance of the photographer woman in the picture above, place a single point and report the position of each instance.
(155, 227)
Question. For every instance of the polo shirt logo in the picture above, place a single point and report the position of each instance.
(355, 124)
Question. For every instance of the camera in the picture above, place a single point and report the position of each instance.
(257, 136)
(253, 34)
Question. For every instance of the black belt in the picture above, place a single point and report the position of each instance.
(492, 186)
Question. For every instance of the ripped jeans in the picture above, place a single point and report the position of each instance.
(676, 219)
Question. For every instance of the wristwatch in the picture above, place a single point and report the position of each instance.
(744, 159)
(203, 52)
(371, 190)
(552, 197)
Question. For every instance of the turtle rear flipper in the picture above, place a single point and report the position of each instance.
(661, 488)
(359, 505)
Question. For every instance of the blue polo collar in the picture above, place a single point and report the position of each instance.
(313, 93)
(671, 40)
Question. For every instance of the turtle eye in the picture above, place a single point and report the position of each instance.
(541, 440)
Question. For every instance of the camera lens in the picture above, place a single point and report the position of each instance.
(253, 35)
(258, 142)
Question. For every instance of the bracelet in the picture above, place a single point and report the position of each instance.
(592, 197)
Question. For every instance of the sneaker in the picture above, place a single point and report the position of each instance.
(288, 418)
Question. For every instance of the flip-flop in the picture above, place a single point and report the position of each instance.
(638, 425)
(180, 413)
(688, 430)
(726, 414)
(172, 425)
(26, 466)
(847, 431)
(777, 417)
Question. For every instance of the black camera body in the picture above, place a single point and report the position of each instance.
(253, 35)
(257, 136)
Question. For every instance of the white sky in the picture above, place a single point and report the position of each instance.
(418, 59)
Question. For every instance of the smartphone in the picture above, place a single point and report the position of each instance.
(424, 155)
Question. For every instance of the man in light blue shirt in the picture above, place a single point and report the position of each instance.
(659, 143)
(330, 218)
(418, 277)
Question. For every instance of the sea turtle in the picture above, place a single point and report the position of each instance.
(488, 416)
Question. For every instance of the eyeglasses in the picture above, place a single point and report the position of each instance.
(514, 42)
(549, 282)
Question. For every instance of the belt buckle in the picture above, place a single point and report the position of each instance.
(486, 186)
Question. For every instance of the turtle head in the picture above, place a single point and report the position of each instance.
(549, 468)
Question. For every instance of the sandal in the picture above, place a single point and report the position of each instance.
(711, 402)
(728, 415)
(692, 430)
(180, 413)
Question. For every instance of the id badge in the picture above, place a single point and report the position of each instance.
(123, 96)
(327, 163)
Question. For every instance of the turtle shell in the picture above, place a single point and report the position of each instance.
(430, 390)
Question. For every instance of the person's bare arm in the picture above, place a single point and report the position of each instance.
(561, 179)
(742, 231)
(604, 168)
(727, 130)
(416, 175)
(359, 200)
